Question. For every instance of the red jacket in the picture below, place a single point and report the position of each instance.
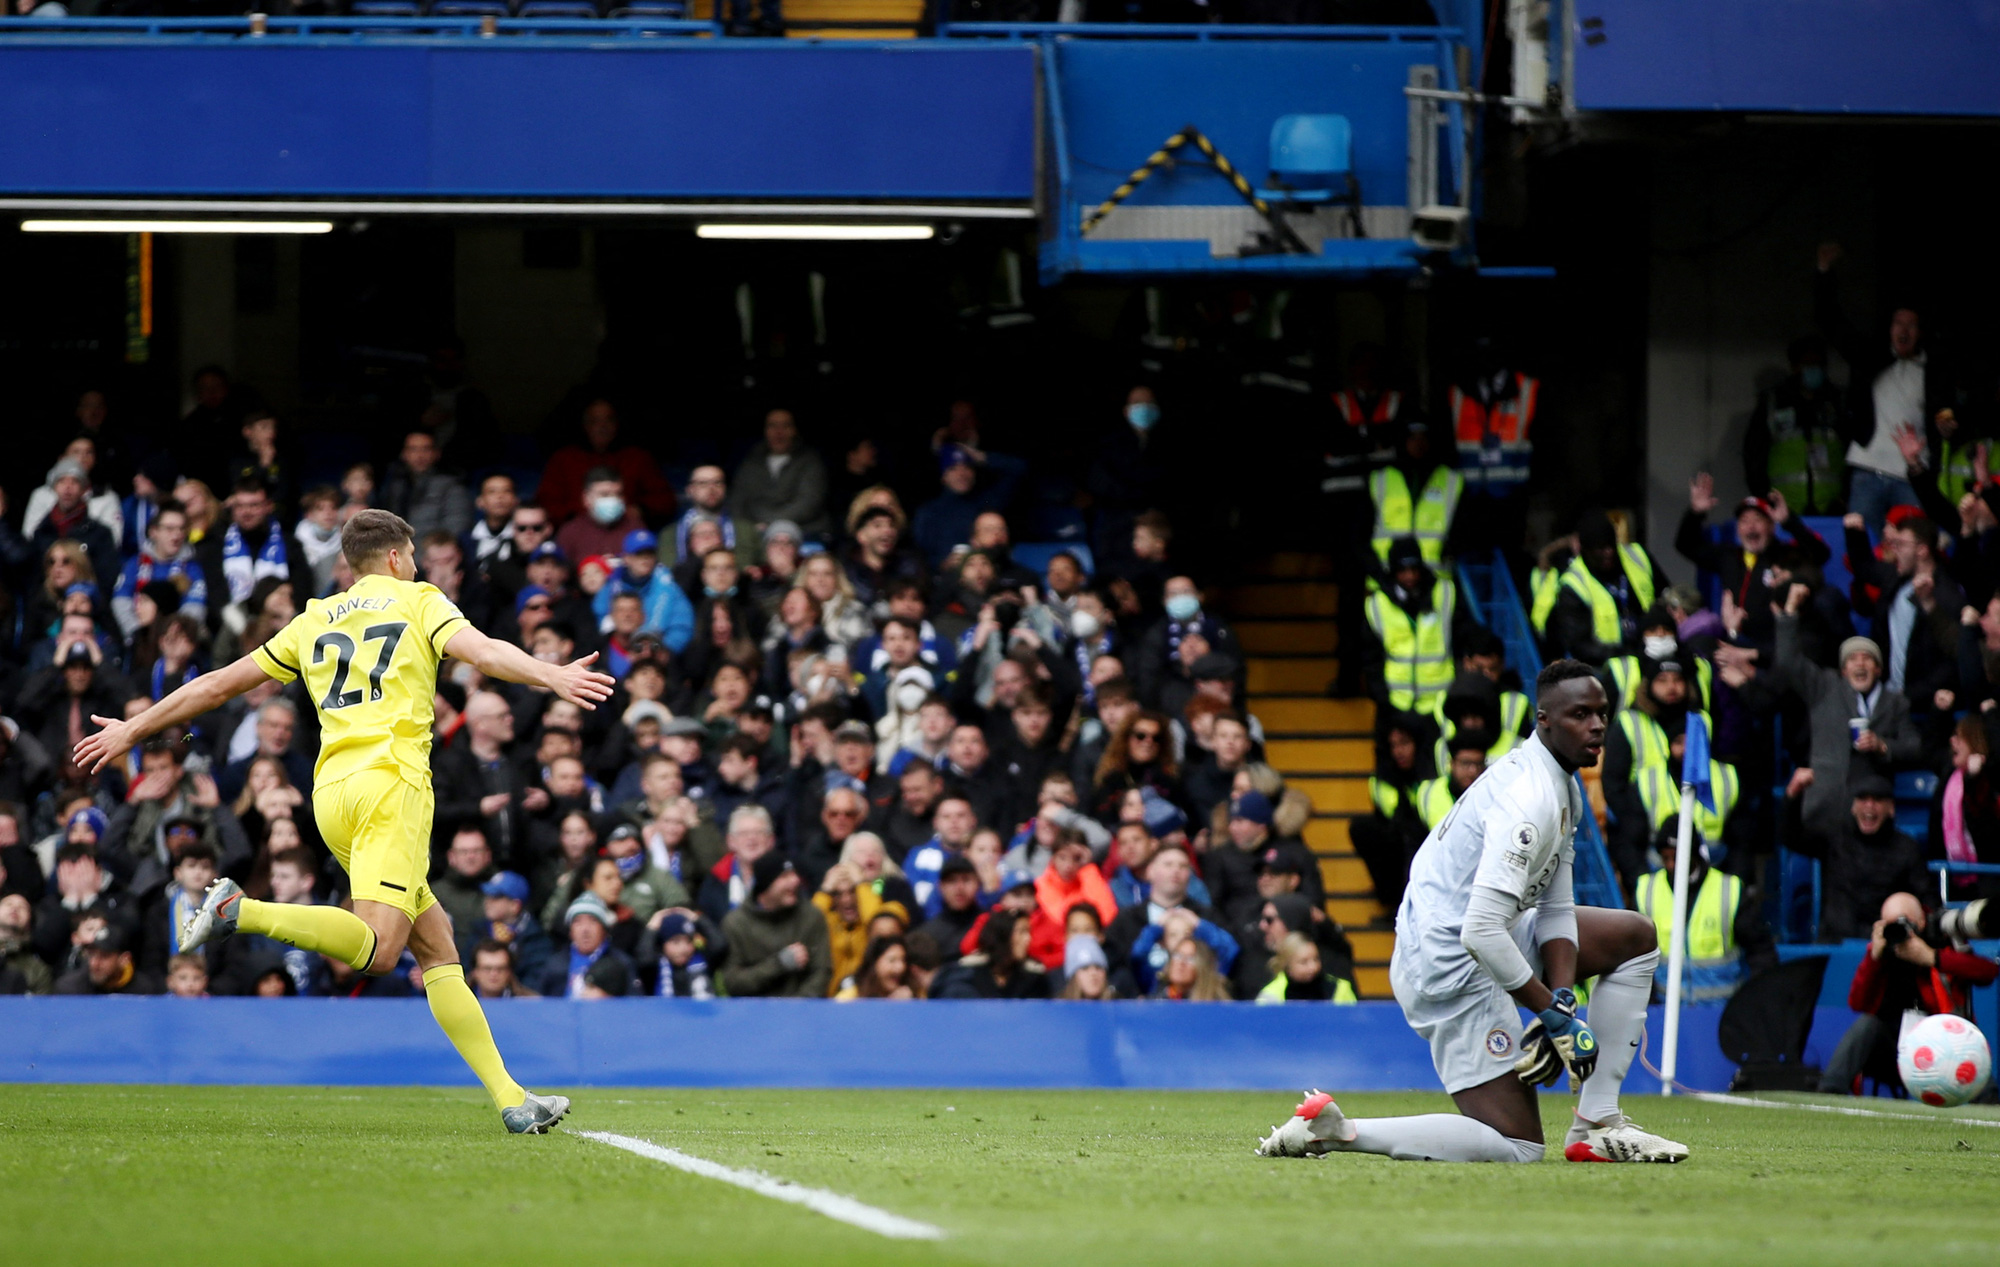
(1946, 990)
(561, 490)
(1047, 941)
(1054, 898)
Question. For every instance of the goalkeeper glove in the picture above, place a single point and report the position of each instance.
(1556, 1041)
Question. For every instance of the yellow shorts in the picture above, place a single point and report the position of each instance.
(379, 825)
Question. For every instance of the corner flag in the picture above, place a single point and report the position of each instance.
(1695, 760)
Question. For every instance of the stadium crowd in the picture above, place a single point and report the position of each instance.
(1816, 690)
(862, 749)
(857, 749)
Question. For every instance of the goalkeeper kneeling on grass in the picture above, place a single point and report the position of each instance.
(1488, 923)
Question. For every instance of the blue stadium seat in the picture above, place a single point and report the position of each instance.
(385, 9)
(471, 9)
(1312, 159)
(1916, 785)
(1035, 555)
(557, 9)
(651, 9)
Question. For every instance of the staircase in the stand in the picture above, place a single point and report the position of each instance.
(1284, 613)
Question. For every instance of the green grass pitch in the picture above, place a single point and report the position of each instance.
(365, 1177)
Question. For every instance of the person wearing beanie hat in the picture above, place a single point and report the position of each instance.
(1232, 872)
(1086, 972)
(1855, 724)
(1659, 639)
(1867, 860)
(1605, 593)
(972, 482)
(587, 922)
(1743, 565)
(1416, 619)
(64, 508)
(681, 942)
(778, 945)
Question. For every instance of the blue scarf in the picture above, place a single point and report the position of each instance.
(697, 972)
(161, 687)
(242, 570)
(579, 963)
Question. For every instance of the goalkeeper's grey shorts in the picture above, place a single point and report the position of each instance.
(1475, 1035)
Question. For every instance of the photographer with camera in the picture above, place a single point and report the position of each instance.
(1909, 967)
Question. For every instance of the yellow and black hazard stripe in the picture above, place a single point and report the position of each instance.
(1165, 155)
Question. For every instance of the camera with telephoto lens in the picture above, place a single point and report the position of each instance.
(1973, 920)
(1898, 931)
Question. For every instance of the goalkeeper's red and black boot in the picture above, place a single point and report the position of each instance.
(1310, 1131)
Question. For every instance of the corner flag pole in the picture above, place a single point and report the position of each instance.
(1677, 946)
(1695, 782)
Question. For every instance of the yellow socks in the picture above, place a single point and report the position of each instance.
(342, 934)
(458, 1015)
(326, 929)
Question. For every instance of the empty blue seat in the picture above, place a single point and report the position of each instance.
(1312, 159)
(471, 9)
(557, 9)
(1916, 785)
(385, 8)
(651, 9)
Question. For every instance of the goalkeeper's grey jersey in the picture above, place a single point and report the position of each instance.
(1511, 832)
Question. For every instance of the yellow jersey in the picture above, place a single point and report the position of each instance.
(369, 658)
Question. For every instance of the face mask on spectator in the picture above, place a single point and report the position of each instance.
(713, 592)
(1812, 377)
(1183, 606)
(1661, 646)
(629, 867)
(909, 697)
(607, 510)
(1084, 625)
(1142, 415)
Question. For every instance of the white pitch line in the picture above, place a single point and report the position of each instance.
(831, 1204)
(1711, 1097)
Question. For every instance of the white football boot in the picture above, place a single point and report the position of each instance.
(1616, 1138)
(215, 918)
(1310, 1129)
(536, 1114)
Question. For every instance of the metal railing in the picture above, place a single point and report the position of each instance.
(1487, 583)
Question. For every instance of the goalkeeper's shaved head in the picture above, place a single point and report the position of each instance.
(1571, 713)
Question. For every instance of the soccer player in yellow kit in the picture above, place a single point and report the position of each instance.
(369, 660)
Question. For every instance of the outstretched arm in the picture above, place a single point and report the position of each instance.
(206, 693)
(576, 681)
